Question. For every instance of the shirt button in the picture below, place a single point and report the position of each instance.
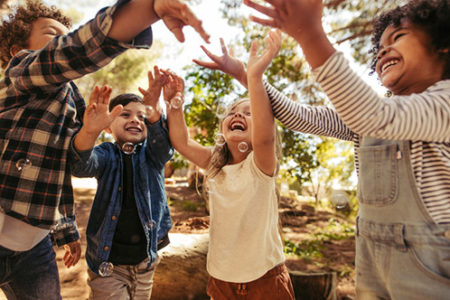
(106, 248)
(447, 234)
(113, 218)
(119, 188)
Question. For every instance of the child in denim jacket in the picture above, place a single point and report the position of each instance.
(129, 219)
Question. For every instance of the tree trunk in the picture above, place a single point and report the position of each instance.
(181, 274)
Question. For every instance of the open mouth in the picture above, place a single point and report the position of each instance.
(389, 63)
(133, 129)
(237, 126)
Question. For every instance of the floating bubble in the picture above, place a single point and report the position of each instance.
(23, 163)
(105, 269)
(149, 111)
(150, 224)
(128, 148)
(340, 200)
(221, 111)
(219, 139)
(243, 147)
(176, 102)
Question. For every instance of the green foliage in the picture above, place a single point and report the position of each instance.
(123, 73)
(311, 248)
(207, 90)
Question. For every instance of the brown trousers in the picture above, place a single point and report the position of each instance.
(275, 284)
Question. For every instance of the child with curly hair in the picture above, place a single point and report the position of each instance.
(402, 143)
(40, 110)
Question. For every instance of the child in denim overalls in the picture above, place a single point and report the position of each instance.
(402, 143)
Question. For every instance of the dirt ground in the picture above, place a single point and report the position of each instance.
(190, 216)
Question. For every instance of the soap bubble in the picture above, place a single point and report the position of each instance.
(23, 163)
(128, 148)
(221, 111)
(219, 139)
(149, 111)
(243, 147)
(176, 102)
(105, 269)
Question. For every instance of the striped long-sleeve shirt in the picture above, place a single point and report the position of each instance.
(40, 110)
(423, 119)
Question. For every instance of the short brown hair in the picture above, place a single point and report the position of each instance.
(16, 29)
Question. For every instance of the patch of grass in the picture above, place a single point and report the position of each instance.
(190, 206)
(311, 248)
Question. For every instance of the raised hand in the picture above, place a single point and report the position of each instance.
(176, 15)
(97, 116)
(301, 19)
(226, 63)
(294, 17)
(257, 64)
(173, 91)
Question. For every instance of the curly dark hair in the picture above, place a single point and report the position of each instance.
(16, 29)
(430, 15)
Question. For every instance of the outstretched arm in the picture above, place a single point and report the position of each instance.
(301, 19)
(178, 132)
(263, 130)
(96, 118)
(137, 15)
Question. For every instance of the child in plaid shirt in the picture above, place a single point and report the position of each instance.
(40, 110)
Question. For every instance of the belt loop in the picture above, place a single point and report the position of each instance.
(399, 232)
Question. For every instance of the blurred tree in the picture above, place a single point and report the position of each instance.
(348, 21)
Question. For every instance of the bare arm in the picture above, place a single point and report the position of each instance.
(137, 15)
(263, 130)
(96, 118)
(178, 132)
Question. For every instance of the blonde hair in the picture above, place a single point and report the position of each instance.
(221, 155)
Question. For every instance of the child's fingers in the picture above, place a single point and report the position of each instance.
(142, 91)
(268, 11)
(265, 22)
(116, 111)
(224, 48)
(94, 95)
(212, 56)
(253, 48)
(106, 95)
(150, 77)
(209, 65)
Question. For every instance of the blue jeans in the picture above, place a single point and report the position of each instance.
(31, 274)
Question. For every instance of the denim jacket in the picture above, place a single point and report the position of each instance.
(105, 163)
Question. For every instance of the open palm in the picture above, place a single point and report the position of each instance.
(97, 116)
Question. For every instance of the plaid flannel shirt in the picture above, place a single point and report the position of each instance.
(40, 110)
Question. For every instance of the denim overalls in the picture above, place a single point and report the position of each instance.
(401, 253)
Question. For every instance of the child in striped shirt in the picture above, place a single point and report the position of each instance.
(402, 143)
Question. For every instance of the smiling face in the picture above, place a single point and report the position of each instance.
(236, 126)
(406, 62)
(129, 126)
(44, 30)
